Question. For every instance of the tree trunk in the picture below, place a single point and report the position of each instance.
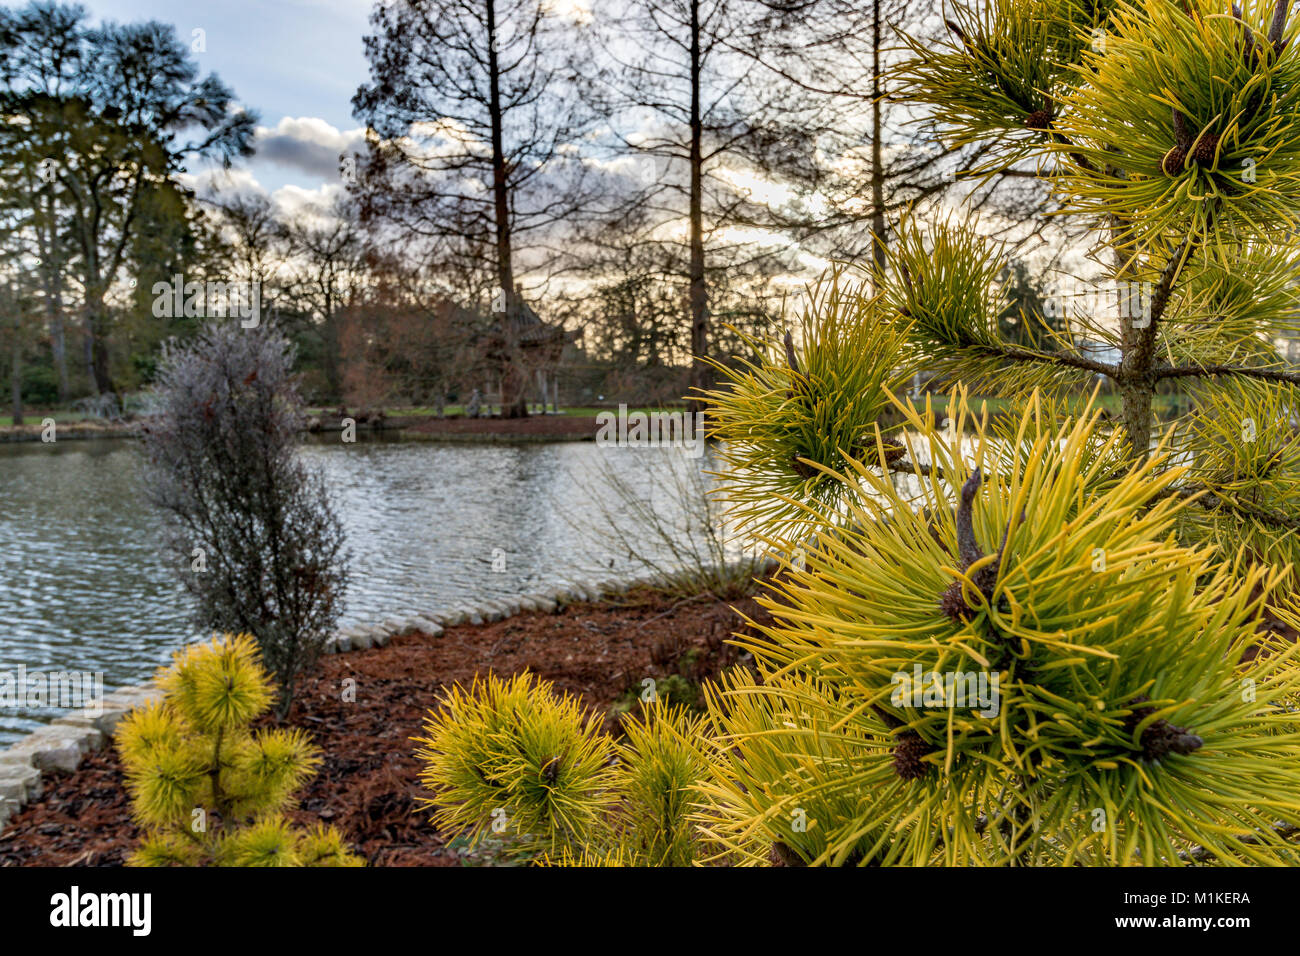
(330, 335)
(96, 325)
(51, 280)
(97, 328)
(87, 348)
(513, 393)
(16, 371)
(877, 162)
(58, 345)
(1136, 400)
(701, 374)
(1137, 348)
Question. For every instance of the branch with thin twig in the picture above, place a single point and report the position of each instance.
(1210, 499)
(917, 468)
(1200, 853)
(1066, 359)
(1209, 371)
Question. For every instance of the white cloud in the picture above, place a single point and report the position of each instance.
(296, 202)
(308, 144)
(236, 180)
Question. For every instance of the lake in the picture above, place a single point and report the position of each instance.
(83, 586)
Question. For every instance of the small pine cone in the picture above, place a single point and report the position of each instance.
(893, 452)
(908, 754)
(551, 771)
(1205, 148)
(1174, 161)
(801, 468)
(1160, 738)
(782, 855)
(953, 603)
(1039, 119)
(1139, 714)
(1163, 738)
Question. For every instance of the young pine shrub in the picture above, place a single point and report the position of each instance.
(661, 762)
(793, 777)
(585, 857)
(208, 790)
(512, 758)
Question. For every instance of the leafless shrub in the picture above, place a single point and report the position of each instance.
(666, 519)
(253, 531)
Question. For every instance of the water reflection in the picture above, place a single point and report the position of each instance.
(83, 586)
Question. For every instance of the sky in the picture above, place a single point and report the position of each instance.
(294, 62)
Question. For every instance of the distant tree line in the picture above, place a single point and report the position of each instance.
(657, 177)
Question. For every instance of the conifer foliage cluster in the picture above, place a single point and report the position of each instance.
(206, 788)
(513, 759)
(1057, 635)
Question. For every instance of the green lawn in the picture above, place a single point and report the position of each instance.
(1111, 403)
(35, 416)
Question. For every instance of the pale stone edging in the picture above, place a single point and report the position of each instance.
(60, 744)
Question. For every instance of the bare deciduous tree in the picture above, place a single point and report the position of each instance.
(328, 248)
(470, 125)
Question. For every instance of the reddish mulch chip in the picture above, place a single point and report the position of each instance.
(551, 427)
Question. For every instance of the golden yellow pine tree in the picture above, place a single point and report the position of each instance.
(206, 788)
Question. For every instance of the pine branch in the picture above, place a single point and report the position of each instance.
(1200, 853)
(1083, 162)
(1164, 288)
(1210, 500)
(1278, 26)
(1017, 354)
(1210, 371)
(920, 470)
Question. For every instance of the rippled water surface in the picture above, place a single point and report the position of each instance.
(83, 586)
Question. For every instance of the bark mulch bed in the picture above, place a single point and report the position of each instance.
(537, 427)
(367, 783)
